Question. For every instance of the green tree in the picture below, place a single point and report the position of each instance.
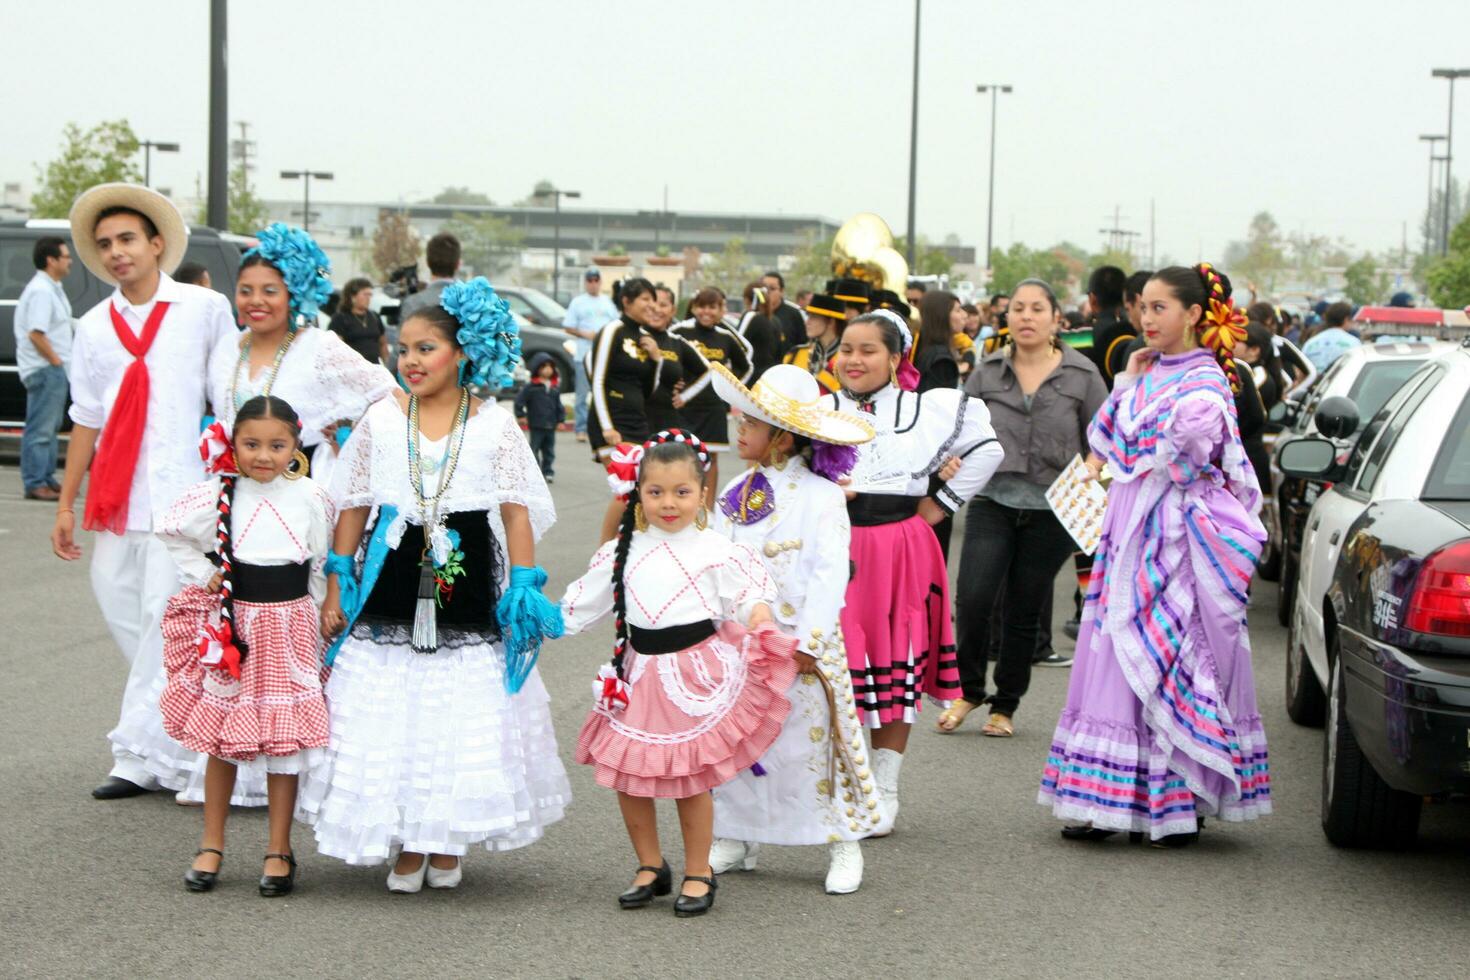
(1261, 258)
(813, 265)
(395, 243)
(730, 269)
(247, 213)
(540, 195)
(1019, 262)
(1114, 257)
(487, 243)
(99, 155)
(460, 196)
(1362, 282)
(1449, 277)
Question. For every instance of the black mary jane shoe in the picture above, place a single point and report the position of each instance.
(118, 788)
(688, 906)
(275, 886)
(640, 896)
(203, 881)
(1088, 832)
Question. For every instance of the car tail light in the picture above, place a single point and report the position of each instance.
(1440, 601)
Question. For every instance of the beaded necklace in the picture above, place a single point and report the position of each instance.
(244, 365)
(436, 580)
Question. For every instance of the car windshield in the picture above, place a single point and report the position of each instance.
(1450, 478)
(1378, 381)
(545, 305)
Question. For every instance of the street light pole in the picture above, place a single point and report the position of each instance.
(306, 176)
(556, 195)
(1449, 146)
(914, 141)
(148, 147)
(1429, 235)
(994, 91)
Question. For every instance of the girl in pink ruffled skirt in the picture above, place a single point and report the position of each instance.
(691, 697)
(240, 640)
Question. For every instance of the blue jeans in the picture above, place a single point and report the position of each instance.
(543, 447)
(582, 401)
(45, 401)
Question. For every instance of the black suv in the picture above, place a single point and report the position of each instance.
(219, 254)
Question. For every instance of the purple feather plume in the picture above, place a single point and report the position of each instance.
(833, 462)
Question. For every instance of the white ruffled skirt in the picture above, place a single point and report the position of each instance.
(429, 754)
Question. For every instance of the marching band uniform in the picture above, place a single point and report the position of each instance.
(704, 413)
(679, 363)
(622, 380)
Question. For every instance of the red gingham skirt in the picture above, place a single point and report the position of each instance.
(276, 707)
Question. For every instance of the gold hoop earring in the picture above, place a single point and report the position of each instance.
(893, 374)
(640, 522)
(701, 520)
(298, 467)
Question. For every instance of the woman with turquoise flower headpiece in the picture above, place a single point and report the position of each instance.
(281, 352)
(441, 727)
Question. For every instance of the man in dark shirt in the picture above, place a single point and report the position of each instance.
(787, 315)
(1111, 328)
(760, 331)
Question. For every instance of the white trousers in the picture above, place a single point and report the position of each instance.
(133, 577)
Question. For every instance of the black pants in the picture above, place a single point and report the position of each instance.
(543, 447)
(1020, 551)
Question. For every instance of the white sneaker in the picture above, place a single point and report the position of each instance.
(844, 867)
(729, 855)
(410, 883)
(449, 878)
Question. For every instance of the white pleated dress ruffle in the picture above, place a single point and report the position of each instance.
(430, 754)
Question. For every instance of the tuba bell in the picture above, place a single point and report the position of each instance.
(863, 249)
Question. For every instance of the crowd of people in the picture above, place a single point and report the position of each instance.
(332, 607)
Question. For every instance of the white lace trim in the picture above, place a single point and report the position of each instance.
(711, 708)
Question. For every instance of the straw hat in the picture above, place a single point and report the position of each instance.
(789, 398)
(159, 209)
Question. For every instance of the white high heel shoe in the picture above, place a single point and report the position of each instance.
(447, 878)
(410, 883)
(726, 855)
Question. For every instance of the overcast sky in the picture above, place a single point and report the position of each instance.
(1308, 109)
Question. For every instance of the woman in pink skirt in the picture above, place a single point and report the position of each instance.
(241, 641)
(896, 623)
(691, 697)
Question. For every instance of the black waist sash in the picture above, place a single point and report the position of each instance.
(671, 639)
(269, 583)
(868, 509)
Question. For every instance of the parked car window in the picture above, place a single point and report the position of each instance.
(1369, 434)
(1450, 477)
(1378, 380)
(212, 257)
(1314, 395)
(520, 307)
(16, 266)
(1395, 417)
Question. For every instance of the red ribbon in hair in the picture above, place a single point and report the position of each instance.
(122, 439)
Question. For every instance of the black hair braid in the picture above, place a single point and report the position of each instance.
(226, 554)
(620, 600)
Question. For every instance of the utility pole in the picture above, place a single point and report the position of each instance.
(914, 141)
(995, 92)
(218, 210)
(1450, 74)
(1429, 236)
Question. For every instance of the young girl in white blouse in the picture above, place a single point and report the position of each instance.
(692, 696)
(241, 642)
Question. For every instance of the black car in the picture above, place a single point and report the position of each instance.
(1367, 376)
(219, 254)
(1394, 656)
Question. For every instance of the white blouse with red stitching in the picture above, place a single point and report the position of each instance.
(283, 522)
(672, 580)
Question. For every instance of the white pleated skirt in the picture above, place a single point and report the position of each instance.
(429, 754)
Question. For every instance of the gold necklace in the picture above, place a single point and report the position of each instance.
(244, 365)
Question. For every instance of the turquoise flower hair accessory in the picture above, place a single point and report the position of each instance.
(300, 261)
(488, 333)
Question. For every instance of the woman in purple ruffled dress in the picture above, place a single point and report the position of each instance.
(1161, 729)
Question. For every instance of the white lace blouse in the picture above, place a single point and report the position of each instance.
(672, 580)
(495, 467)
(283, 522)
(322, 378)
(916, 433)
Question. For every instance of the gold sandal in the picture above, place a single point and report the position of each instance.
(998, 726)
(952, 718)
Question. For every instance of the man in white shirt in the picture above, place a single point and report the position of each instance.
(586, 315)
(140, 360)
(43, 328)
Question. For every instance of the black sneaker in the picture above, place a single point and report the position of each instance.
(1055, 660)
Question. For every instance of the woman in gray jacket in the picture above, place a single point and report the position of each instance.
(1041, 395)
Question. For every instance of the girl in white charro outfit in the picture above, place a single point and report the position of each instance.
(815, 784)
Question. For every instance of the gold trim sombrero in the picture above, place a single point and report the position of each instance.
(789, 398)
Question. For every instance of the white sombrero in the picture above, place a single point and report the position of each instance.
(789, 398)
(159, 209)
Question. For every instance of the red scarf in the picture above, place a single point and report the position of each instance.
(117, 457)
